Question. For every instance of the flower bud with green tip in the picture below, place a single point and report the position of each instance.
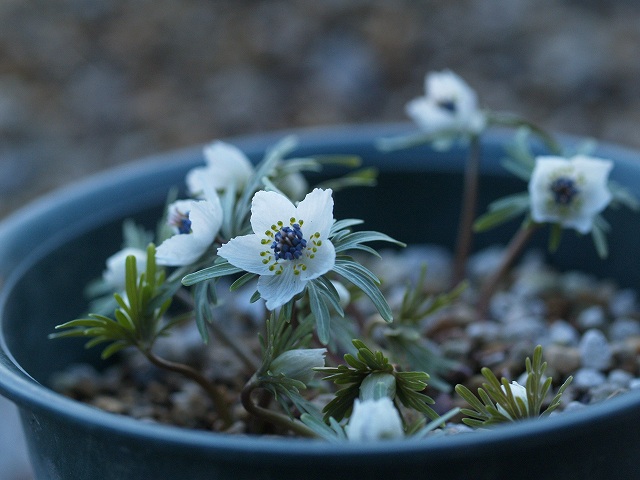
(299, 364)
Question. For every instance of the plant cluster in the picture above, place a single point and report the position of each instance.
(263, 227)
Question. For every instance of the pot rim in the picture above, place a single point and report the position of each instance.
(29, 395)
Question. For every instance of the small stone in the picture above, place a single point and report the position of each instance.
(619, 378)
(595, 350)
(562, 359)
(527, 328)
(591, 317)
(574, 406)
(109, 404)
(563, 333)
(623, 303)
(623, 328)
(588, 378)
(484, 331)
(634, 384)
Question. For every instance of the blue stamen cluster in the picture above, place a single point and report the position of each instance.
(448, 105)
(564, 190)
(181, 222)
(289, 243)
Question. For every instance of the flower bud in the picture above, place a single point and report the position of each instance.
(373, 420)
(115, 274)
(518, 391)
(299, 364)
(378, 385)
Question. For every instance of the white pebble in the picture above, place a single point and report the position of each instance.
(623, 302)
(587, 378)
(595, 351)
(563, 333)
(592, 317)
(623, 328)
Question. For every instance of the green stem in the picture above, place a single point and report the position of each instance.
(512, 252)
(270, 416)
(468, 212)
(219, 402)
(515, 121)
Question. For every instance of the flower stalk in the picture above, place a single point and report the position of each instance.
(275, 418)
(214, 393)
(511, 253)
(468, 212)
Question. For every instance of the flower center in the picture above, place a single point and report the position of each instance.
(564, 190)
(288, 243)
(181, 222)
(447, 104)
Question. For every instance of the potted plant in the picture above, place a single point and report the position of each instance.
(52, 249)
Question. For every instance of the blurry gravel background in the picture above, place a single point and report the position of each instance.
(88, 84)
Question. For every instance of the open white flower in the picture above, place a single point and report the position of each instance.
(449, 105)
(373, 420)
(226, 165)
(195, 224)
(518, 391)
(289, 246)
(115, 274)
(569, 192)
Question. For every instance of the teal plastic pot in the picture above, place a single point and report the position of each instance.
(50, 249)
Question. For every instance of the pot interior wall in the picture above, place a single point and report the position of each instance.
(410, 203)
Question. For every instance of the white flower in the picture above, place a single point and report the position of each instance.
(289, 246)
(226, 165)
(115, 274)
(449, 105)
(195, 224)
(373, 420)
(518, 391)
(299, 364)
(569, 191)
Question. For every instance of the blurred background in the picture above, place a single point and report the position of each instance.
(89, 84)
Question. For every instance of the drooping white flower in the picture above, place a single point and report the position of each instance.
(226, 166)
(518, 391)
(299, 364)
(373, 420)
(449, 105)
(569, 192)
(115, 274)
(289, 246)
(195, 224)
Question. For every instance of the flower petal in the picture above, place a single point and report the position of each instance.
(279, 289)
(267, 208)
(317, 212)
(244, 252)
(323, 260)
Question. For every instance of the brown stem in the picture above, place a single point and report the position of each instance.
(513, 250)
(220, 404)
(468, 212)
(270, 416)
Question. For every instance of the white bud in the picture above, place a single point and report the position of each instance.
(299, 364)
(374, 420)
(115, 274)
(518, 391)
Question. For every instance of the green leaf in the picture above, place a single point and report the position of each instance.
(354, 273)
(320, 312)
(353, 240)
(342, 224)
(555, 236)
(220, 269)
